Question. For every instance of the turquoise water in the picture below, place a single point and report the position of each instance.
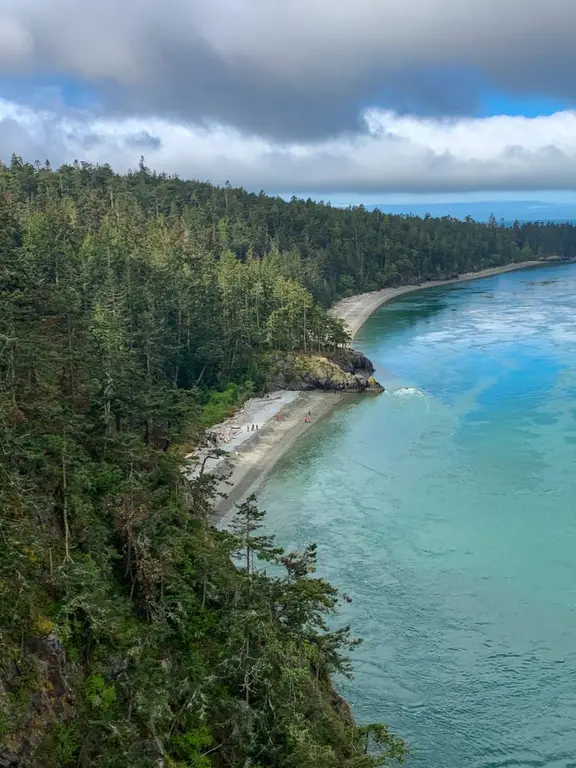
(447, 511)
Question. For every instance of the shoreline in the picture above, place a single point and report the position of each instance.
(248, 467)
(356, 309)
(252, 455)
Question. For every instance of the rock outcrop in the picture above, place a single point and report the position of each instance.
(50, 700)
(345, 370)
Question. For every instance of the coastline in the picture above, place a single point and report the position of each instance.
(249, 465)
(355, 310)
(252, 455)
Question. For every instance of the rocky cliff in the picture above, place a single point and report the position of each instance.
(345, 370)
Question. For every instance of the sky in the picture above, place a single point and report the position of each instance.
(372, 101)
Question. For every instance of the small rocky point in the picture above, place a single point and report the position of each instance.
(344, 370)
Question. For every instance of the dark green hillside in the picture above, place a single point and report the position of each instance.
(134, 311)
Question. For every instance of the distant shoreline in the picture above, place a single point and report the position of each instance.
(259, 452)
(355, 310)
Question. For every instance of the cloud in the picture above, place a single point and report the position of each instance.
(295, 69)
(392, 154)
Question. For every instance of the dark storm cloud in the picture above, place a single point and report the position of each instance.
(278, 95)
(299, 69)
(214, 92)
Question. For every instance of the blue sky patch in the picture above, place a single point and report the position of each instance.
(49, 92)
(499, 103)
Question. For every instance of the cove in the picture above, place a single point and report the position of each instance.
(446, 509)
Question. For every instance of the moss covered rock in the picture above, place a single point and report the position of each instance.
(344, 371)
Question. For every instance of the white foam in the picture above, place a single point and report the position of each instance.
(408, 392)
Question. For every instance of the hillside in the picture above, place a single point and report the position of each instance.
(134, 312)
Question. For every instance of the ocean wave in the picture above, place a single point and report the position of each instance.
(408, 392)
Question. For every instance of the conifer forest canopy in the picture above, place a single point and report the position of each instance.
(136, 310)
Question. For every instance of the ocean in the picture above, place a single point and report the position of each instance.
(446, 509)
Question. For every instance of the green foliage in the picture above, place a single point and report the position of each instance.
(220, 405)
(98, 694)
(66, 745)
(377, 739)
(190, 746)
(133, 308)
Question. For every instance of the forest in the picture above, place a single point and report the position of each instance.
(135, 311)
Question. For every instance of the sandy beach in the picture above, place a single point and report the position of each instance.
(254, 458)
(357, 309)
(249, 454)
(244, 426)
(281, 417)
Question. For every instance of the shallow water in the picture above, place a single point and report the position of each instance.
(446, 509)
